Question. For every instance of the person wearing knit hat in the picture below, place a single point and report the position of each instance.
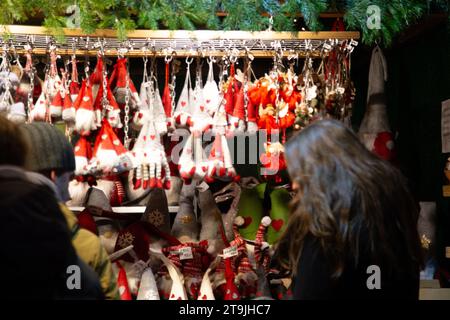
(52, 156)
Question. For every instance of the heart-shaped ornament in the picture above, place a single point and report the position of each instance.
(277, 224)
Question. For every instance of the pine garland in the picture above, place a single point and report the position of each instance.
(124, 15)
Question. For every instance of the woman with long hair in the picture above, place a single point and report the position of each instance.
(352, 233)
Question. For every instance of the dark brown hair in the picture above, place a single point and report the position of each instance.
(346, 191)
(14, 145)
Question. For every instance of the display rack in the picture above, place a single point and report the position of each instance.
(178, 42)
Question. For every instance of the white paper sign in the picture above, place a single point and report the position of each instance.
(230, 252)
(445, 126)
(186, 253)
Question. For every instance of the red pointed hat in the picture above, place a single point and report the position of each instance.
(67, 103)
(57, 100)
(79, 98)
(97, 76)
(87, 102)
(83, 154)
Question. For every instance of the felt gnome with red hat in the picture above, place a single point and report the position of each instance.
(85, 115)
(374, 131)
(273, 162)
(96, 77)
(68, 111)
(38, 111)
(56, 105)
(79, 186)
(120, 82)
(237, 119)
(109, 153)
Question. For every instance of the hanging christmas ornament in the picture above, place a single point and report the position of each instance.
(273, 161)
(121, 82)
(68, 111)
(74, 86)
(185, 106)
(211, 94)
(85, 115)
(109, 155)
(56, 105)
(152, 169)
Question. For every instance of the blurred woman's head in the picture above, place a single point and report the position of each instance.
(14, 145)
(343, 190)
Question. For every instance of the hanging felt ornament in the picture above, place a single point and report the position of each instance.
(273, 161)
(121, 81)
(38, 112)
(113, 110)
(74, 86)
(56, 105)
(142, 115)
(237, 118)
(85, 115)
(201, 120)
(167, 99)
(83, 153)
(184, 109)
(230, 90)
(96, 77)
(211, 94)
(158, 114)
(192, 161)
(152, 169)
(52, 82)
(109, 155)
(68, 111)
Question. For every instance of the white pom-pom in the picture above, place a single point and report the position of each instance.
(266, 221)
(239, 221)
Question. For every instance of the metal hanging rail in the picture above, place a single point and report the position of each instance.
(179, 42)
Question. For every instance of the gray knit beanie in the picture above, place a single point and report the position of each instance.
(50, 149)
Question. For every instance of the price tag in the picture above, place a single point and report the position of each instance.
(230, 252)
(354, 43)
(185, 253)
(327, 46)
